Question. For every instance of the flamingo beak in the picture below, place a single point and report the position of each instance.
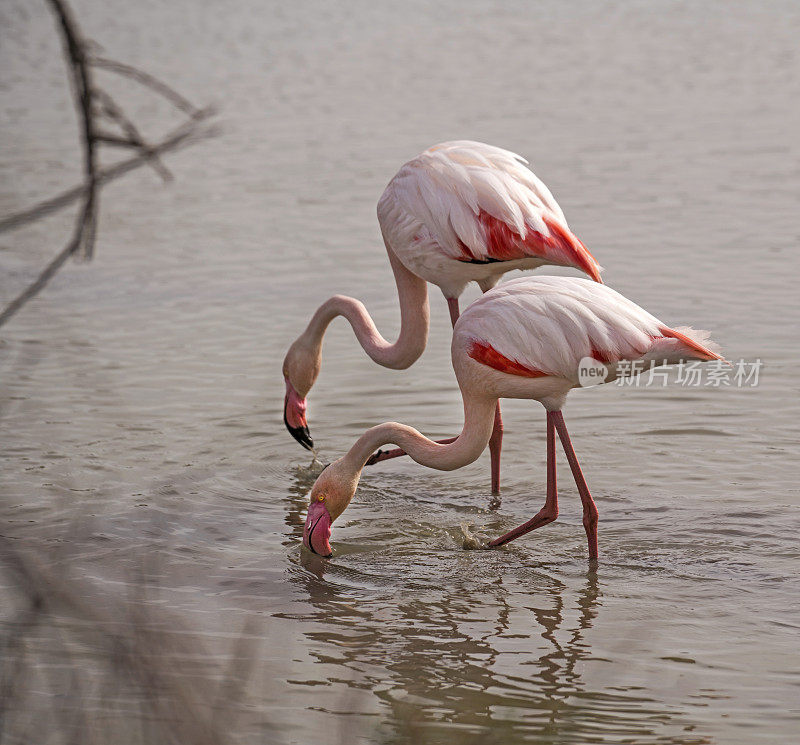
(294, 417)
(317, 531)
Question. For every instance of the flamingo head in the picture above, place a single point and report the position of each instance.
(317, 530)
(330, 495)
(300, 371)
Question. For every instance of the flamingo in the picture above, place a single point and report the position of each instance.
(459, 212)
(526, 338)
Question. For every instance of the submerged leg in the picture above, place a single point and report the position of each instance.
(589, 507)
(549, 512)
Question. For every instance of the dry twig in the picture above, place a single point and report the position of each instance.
(94, 103)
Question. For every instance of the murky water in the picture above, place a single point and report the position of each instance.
(141, 394)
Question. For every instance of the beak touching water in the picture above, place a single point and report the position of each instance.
(294, 416)
(317, 531)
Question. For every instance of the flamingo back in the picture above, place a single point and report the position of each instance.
(476, 204)
(545, 326)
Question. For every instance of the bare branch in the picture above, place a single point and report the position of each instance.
(179, 137)
(175, 98)
(116, 140)
(109, 108)
(33, 289)
(91, 103)
(83, 96)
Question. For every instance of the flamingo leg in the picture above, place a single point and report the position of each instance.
(590, 513)
(452, 306)
(495, 442)
(382, 455)
(549, 512)
(495, 445)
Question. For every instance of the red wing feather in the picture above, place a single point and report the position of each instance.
(489, 356)
(701, 351)
(561, 246)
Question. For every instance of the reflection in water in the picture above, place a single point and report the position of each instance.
(303, 479)
(440, 666)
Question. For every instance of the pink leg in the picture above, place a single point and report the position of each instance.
(452, 306)
(549, 512)
(589, 507)
(382, 455)
(495, 445)
(495, 442)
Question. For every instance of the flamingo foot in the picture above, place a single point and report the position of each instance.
(541, 518)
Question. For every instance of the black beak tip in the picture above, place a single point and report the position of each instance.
(301, 434)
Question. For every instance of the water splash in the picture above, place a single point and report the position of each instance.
(471, 541)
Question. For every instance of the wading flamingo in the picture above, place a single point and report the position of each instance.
(460, 212)
(527, 338)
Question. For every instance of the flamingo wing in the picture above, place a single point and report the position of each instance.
(535, 326)
(480, 204)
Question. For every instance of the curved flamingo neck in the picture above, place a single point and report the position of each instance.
(478, 424)
(414, 317)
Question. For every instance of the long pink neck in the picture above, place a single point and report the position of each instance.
(474, 437)
(414, 317)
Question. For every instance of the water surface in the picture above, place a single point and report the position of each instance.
(141, 393)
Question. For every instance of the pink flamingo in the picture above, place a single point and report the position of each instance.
(459, 212)
(526, 338)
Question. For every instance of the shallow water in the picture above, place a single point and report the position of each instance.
(141, 393)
